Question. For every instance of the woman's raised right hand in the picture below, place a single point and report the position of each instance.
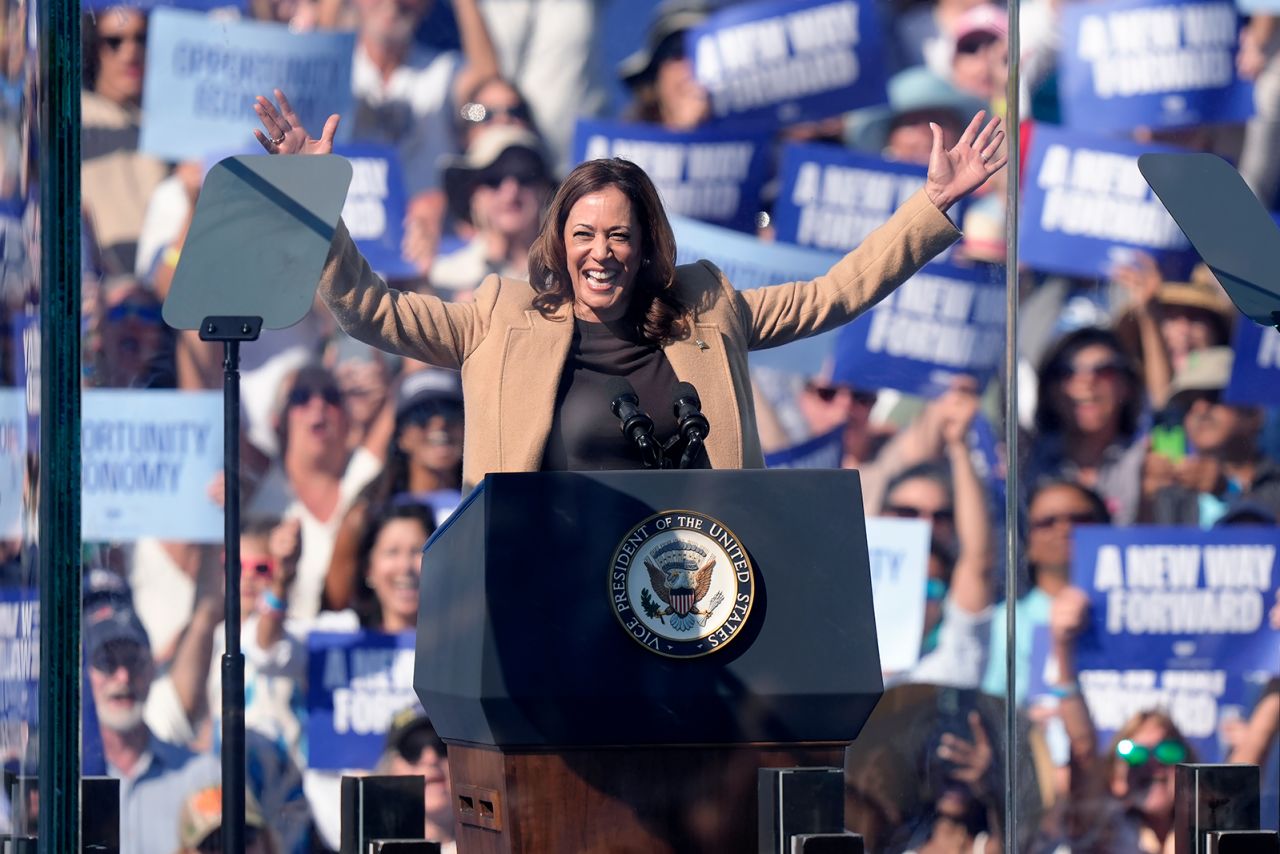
(285, 134)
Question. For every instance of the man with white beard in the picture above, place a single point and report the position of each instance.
(154, 775)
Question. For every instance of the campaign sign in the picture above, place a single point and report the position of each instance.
(944, 322)
(202, 76)
(147, 460)
(832, 198)
(747, 263)
(375, 207)
(1255, 371)
(711, 175)
(899, 553)
(1151, 63)
(13, 455)
(19, 671)
(1086, 207)
(356, 683)
(825, 451)
(780, 62)
(1179, 622)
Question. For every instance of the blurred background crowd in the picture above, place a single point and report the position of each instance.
(352, 457)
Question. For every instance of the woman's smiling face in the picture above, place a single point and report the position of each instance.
(602, 244)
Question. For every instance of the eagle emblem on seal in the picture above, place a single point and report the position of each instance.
(681, 582)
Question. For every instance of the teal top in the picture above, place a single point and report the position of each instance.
(1031, 610)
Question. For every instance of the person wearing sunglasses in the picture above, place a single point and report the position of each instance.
(317, 476)
(1221, 468)
(116, 179)
(1088, 404)
(128, 344)
(491, 103)
(499, 188)
(424, 467)
(1054, 509)
(1121, 800)
(414, 748)
(958, 609)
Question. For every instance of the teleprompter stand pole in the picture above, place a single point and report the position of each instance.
(231, 331)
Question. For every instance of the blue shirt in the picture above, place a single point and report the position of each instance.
(150, 800)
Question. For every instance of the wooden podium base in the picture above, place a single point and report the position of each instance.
(646, 800)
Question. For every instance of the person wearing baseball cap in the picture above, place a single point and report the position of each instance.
(200, 824)
(1223, 469)
(414, 748)
(154, 774)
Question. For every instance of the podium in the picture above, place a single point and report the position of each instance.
(612, 656)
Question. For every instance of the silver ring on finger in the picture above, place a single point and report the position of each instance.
(275, 141)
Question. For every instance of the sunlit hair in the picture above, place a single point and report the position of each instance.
(654, 310)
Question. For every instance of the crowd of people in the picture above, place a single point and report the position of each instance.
(353, 457)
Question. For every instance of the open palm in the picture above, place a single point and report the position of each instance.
(285, 133)
(977, 156)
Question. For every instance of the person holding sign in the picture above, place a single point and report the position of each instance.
(607, 300)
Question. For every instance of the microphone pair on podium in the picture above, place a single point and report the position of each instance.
(637, 426)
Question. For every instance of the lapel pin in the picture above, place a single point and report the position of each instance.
(702, 345)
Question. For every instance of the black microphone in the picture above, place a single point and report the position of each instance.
(688, 411)
(636, 425)
(692, 424)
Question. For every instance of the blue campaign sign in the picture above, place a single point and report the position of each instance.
(832, 198)
(825, 451)
(712, 175)
(19, 672)
(202, 76)
(1151, 63)
(1255, 371)
(356, 683)
(946, 321)
(147, 460)
(1178, 621)
(748, 262)
(780, 62)
(1086, 207)
(375, 207)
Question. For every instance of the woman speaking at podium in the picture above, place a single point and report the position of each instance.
(605, 299)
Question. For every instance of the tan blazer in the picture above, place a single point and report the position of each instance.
(511, 356)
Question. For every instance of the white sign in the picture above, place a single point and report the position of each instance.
(899, 553)
(13, 450)
(147, 460)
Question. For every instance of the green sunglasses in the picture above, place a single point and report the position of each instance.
(1166, 752)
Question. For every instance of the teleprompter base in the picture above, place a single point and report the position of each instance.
(617, 800)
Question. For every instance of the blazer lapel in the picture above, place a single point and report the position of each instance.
(702, 361)
(532, 364)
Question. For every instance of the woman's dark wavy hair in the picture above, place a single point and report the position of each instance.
(1059, 357)
(365, 603)
(654, 310)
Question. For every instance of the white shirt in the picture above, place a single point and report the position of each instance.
(275, 499)
(412, 109)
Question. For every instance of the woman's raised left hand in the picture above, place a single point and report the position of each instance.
(976, 157)
(285, 133)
